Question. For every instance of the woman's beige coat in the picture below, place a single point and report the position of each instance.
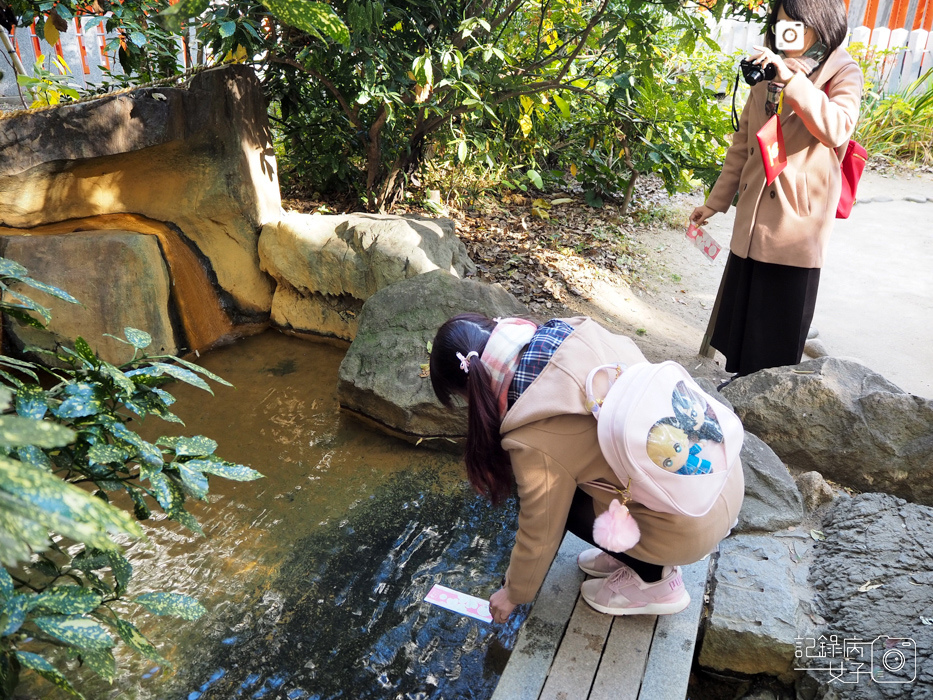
(552, 441)
(789, 222)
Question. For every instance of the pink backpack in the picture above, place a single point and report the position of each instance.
(673, 444)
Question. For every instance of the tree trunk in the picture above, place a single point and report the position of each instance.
(630, 187)
(629, 191)
(374, 158)
(406, 166)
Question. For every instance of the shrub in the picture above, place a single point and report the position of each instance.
(66, 448)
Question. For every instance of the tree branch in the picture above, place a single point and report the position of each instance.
(352, 114)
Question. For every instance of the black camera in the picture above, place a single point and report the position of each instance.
(754, 74)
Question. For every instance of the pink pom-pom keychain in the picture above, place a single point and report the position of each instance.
(616, 529)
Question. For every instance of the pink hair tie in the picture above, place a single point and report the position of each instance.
(465, 361)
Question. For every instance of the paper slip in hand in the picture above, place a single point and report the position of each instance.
(457, 602)
(702, 240)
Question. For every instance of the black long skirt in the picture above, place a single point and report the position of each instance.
(764, 314)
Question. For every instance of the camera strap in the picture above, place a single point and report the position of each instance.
(735, 115)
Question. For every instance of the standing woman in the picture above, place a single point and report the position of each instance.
(529, 427)
(782, 230)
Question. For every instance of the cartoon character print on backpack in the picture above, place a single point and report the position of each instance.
(694, 415)
(675, 443)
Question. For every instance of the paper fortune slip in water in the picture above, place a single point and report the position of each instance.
(703, 241)
(457, 602)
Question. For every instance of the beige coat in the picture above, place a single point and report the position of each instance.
(789, 222)
(551, 439)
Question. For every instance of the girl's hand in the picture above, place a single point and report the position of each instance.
(701, 215)
(500, 607)
(766, 56)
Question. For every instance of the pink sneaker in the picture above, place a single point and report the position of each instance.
(624, 593)
(597, 563)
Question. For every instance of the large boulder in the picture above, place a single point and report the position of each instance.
(382, 377)
(872, 575)
(197, 160)
(327, 266)
(772, 500)
(132, 273)
(843, 420)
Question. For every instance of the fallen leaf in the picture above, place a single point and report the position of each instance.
(818, 535)
(869, 586)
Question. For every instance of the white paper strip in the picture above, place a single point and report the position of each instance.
(461, 603)
(702, 240)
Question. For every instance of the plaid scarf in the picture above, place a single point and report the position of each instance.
(503, 349)
(809, 62)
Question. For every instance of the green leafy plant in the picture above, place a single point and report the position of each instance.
(67, 446)
(899, 126)
(48, 88)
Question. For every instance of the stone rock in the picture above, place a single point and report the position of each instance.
(122, 282)
(843, 420)
(755, 606)
(315, 314)
(769, 693)
(381, 378)
(873, 575)
(711, 387)
(772, 501)
(815, 348)
(327, 266)
(198, 159)
(814, 490)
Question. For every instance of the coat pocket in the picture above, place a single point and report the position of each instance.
(803, 195)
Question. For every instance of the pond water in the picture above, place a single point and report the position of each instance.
(315, 575)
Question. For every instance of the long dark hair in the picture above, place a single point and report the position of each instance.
(488, 466)
(826, 17)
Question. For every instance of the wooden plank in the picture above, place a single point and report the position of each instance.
(528, 666)
(624, 658)
(668, 669)
(578, 657)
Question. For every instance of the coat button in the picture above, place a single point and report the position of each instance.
(772, 194)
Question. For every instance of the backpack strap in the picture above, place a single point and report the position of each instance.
(594, 402)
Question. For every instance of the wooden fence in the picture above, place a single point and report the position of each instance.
(899, 56)
(83, 48)
(901, 43)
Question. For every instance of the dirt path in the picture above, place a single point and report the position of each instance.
(668, 319)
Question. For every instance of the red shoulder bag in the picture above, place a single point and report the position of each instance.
(853, 163)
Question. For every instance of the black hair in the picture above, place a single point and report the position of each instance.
(827, 18)
(489, 468)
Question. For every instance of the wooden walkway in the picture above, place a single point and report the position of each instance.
(568, 651)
